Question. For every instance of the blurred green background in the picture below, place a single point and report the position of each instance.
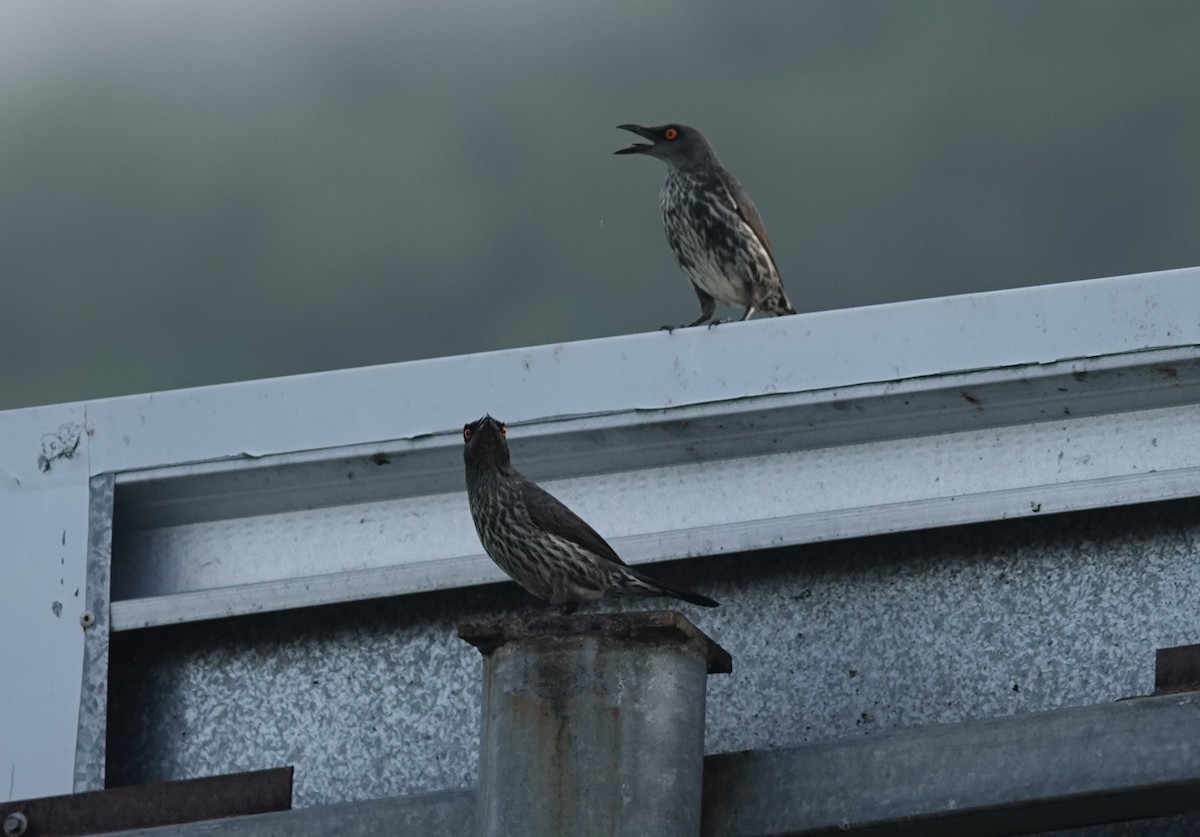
(193, 193)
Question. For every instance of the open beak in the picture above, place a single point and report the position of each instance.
(637, 147)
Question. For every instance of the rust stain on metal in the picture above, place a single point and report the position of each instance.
(162, 803)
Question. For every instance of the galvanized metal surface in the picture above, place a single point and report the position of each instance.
(1017, 775)
(833, 641)
(145, 806)
(372, 700)
(93, 694)
(592, 725)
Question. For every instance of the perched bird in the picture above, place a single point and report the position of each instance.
(542, 545)
(712, 225)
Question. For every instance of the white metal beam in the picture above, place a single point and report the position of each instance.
(43, 565)
(648, 371)
(700, 506)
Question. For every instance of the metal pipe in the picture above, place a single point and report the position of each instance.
(592, 724)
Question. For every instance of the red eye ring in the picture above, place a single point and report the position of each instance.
(466, 434)
(504, 430)
(671, 133)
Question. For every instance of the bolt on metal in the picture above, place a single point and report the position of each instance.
(15, 824)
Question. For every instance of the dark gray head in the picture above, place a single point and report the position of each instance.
(485, 445)
(677, 145)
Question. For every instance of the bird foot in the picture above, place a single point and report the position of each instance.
(671, 328)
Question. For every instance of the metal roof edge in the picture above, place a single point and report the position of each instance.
(646, 371)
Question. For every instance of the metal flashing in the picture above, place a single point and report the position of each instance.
(671, 484)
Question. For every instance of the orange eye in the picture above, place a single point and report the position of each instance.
(671, 133)
(504, 430)
(467, 434)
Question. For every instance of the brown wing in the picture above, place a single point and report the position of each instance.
(549, 514)
(748, 211)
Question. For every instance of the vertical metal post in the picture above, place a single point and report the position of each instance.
(593, 725)
(90, 740)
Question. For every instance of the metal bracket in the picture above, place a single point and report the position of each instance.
(1177, 669)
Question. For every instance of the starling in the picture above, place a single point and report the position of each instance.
(542, 545)
(712, 225)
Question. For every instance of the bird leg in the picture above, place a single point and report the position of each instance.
(708, 307)
(705, 315)
(703, 318)
(749, 312)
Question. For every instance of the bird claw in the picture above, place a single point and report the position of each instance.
(670, 329)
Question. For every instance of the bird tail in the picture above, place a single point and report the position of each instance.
(780, 305)
(650, 587)
(688, 596)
